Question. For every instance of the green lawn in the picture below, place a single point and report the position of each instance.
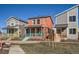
(57, 48)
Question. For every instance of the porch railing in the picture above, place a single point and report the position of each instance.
(31, 35)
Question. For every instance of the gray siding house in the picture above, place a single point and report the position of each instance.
(67, 23)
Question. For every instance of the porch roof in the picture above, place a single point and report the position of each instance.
(61, 25)
(9, 27)
(33, 26)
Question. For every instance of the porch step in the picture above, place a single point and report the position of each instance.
(36, 38)
(25, 39)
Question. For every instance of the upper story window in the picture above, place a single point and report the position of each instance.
(72, 18)
(24, 24)
(33, 21)
(13, 24)
(72, 31)
(38, 21)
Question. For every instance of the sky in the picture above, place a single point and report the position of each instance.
(24, 11)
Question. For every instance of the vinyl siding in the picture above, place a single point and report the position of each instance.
(73, 12)
(12, 20)
(62, 19)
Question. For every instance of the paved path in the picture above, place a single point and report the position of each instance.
(29, 42)
(16, 49)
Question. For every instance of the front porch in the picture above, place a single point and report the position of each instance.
(11, 31)
(61, 30)
(33, 33)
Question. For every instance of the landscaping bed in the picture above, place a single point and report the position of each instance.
(56, 48)
(69, 40)
(5, 51)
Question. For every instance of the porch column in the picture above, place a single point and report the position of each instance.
(8, 32)
(35, 32)
(25, 31)
(41, 30)
(18, 32)
(60, 32)
(30, 31)
(14, 31)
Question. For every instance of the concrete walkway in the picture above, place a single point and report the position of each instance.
(16, 49)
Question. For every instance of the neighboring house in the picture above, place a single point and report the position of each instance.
(39, 27)
(15, 26)
(67, 23)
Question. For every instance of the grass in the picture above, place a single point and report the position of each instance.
(57, 48)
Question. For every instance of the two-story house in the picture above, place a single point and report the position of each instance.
(15, 26)
(39, 27)
(67, 23)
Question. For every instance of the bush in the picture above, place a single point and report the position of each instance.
(5, 36)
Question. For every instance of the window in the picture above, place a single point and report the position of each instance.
(38, 21)
(72, 31)
(33, 21)
(23, 24)
(72, 18)
(13, 23)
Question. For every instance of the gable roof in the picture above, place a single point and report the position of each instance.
(17, 19)
(67, 10)
(41, 17)
(61, 25)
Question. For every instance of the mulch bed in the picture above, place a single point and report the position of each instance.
(4, 49)
(69, 40)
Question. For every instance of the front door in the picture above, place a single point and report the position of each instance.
(27, 31)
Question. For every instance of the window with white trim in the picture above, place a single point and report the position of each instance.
(33, 21)
(38, 21)
(72, 31)
(72, 18)
(13, 24)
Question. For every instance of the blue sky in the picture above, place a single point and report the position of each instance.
(24, 11)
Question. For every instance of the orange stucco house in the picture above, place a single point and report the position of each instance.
(39, 27)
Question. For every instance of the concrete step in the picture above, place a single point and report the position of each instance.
(26, 38)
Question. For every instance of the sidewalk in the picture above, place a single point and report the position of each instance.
(16, 49)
